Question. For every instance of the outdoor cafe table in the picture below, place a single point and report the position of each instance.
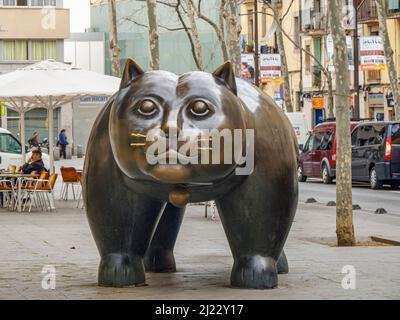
(18, 177)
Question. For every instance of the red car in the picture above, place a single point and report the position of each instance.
(318, 157)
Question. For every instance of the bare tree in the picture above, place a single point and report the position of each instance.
(344, 207)
(233, 28)
(218, 28)
(153, 35)
(114, 49)
(194, 36)
(281, 48)
(383, 32)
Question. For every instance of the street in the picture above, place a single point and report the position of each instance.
(363, 195)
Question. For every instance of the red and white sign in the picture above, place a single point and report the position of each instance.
(372, 53)
(270, 68)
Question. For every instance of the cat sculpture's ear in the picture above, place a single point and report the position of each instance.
(226, 74)
(131, 71)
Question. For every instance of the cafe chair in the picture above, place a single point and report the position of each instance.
(8, 193)
(70, 177)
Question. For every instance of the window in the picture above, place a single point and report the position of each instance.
(44, 49)
(296, 36)
(9, 144)
(354, 137)
(309, 144)
(371, 135)
(250, 26)
(15, 50)
(318, 140)
(308, 59)
(374, 75)
(264, 22)
(396, 134)
(326, 143)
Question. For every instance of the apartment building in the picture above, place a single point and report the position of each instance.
(31, 31)
(306, 22)
(376, 91)
(268, 43)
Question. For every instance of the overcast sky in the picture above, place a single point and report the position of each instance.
(80, 14)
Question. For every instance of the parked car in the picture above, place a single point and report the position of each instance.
(300, 127)
(11, 151)
(318, 156)
(376, 153)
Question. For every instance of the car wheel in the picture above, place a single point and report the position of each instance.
(326, 178)
(300, 176)
(374, 181)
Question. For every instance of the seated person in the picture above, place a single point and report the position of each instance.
(35, 163)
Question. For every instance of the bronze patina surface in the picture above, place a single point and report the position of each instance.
(135, 209)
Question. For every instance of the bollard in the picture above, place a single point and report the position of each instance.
(69, 152)
(56, 153)
(79, 151)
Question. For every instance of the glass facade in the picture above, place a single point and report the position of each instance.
(175, 51)
(35, 120)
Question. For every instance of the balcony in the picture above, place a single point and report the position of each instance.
(393, 9)
(314, 23)
(34, 23)
(367, 12)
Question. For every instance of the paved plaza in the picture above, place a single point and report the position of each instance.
(62, 239)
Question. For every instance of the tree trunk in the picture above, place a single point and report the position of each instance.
(233, 35)
(195, 35)
(281, 48)
(344, 207)
(114, 49)
(383, 32)
(153, 35)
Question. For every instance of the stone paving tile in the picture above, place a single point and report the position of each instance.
(31, 241)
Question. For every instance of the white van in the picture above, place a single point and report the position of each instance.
(300, 127)
(11, 151)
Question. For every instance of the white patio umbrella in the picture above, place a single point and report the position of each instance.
(50, 84)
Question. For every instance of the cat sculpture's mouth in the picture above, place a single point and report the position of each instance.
(174, 157)
(172, 167)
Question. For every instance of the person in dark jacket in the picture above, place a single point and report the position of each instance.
(35, 163)
(63, 142)
(34, 140)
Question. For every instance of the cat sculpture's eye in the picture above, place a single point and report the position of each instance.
(147, 108)
(199, 108)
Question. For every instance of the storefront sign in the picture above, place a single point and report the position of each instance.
(376, 100)
(270, 68)
(2, 109)
(317, 102)
(372, 54)
(330, 51)
(93, 100)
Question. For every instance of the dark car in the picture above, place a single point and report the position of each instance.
(318, 157)
(376, 153)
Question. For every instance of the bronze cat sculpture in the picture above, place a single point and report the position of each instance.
(135, 208)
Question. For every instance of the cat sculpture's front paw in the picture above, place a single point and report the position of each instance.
(121, 270)
(254, 272)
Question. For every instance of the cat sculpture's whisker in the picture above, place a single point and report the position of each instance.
(138, 144)
(138, 135)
